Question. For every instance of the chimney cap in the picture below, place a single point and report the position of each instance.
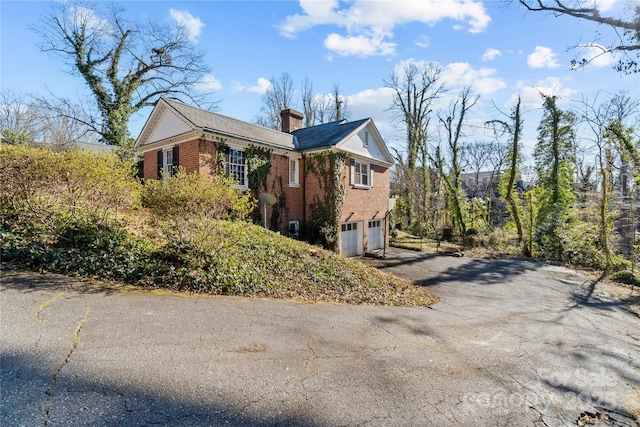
(291, 112)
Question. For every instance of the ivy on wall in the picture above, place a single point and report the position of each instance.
(328, 168)
(281, 205)
(258, 167)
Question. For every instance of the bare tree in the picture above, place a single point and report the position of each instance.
(608, 122)
(322, 108)
(278, 97)
(477, 157)
(16, 118)
(415, 89)
(126, 66)
(62, 124)
(626, 29)
(308, 103)
(513, 128)
(452, 124)
(339, 106)
(28, 120)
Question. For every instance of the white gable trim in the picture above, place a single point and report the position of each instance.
(374, 135)
(168, 142)
(159, 113)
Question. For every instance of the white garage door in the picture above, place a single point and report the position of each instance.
(376, 234)
(351, 239)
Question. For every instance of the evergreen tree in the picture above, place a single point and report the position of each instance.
(555, 163)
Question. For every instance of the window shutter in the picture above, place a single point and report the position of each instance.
(160, 160)
(371, 175)
(176, 162)
(353, 172)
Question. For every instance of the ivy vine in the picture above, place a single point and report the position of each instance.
(258, 167)
(325, 212)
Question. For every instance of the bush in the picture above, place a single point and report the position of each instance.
(48, 190)
(61, 212)
(186, 208)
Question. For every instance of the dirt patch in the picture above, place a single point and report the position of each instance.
(627, 294)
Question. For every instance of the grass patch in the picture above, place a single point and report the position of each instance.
(405, 240)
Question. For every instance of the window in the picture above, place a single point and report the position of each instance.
(352, 226)
(167, 162)
(294, 229)
(237, 168)
(366, 138)
(293, 173)
(361, 174)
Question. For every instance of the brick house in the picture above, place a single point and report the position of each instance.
(330, 182)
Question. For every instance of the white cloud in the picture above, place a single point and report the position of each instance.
(605, 5)
(369, 24)
(192, 24)
(358, 46)
(490, 54)
(261, 86)
(597, 55)
(461, 74)
(208, 84)
(374, 103)
(423, 42)
(542, 57)
(531, 94)
(81, 15)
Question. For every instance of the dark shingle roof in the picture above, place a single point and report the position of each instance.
(325, 135)
(208, 120)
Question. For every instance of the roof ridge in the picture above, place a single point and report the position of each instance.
(225, 116)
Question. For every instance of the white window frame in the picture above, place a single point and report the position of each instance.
(167, 162)
(235, 169)
(294, 172)
(357, 174)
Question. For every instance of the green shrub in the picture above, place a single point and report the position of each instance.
(61, 212)
(583, 246)
(84, 248)
(48, 189)
(187, 208)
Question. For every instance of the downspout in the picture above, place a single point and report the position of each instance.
(304, 194)
(386, 227)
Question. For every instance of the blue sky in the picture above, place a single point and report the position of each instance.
(499, 48)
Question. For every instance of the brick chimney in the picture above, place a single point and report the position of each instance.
(291, 120)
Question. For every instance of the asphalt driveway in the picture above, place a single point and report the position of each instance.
(509, 343)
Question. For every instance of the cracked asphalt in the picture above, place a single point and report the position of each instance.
(509, 343)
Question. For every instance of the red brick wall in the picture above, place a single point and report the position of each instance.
(188, 157)
(150, 164)
(314, 190)
(278, 185)
(369, 203)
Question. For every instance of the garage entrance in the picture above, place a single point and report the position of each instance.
(351, 238)
(376, 234)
